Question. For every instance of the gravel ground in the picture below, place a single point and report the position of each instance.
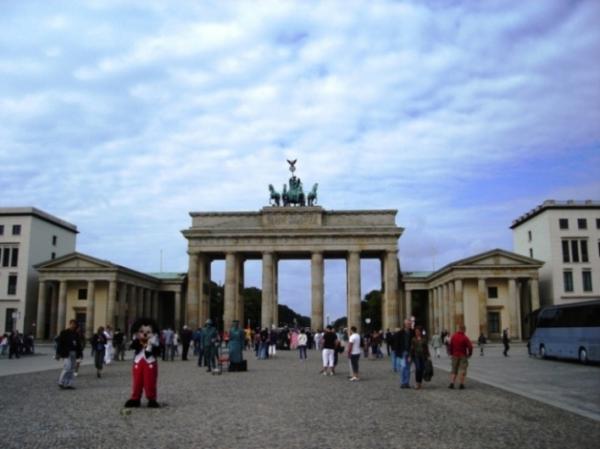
(279, 403)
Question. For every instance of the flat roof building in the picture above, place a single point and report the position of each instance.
(566, 236)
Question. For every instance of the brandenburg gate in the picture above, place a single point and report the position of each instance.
(275, 233)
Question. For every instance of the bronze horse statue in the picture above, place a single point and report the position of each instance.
(312, 195)
(275, 198)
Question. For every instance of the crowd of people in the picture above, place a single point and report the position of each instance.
(15, 344)
(407, 347)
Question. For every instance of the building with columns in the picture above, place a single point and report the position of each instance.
(487, 293)
(28, 236)
(276, 233)
(97, 293)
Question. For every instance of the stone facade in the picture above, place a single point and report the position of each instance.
(276, 233)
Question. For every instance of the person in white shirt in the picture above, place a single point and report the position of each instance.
(354, 351)
(302, 341)
(108, 351)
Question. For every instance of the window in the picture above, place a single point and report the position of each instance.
(597, 225)
(582, 223)
(12, 284)
(5, 257)
(53, 256)
(586, 277)
(492, 292)
(1, 229)
(14, 260)
(575, 250)
(82, 294)
(563, 223)
(565, 251)
(529, 236)
(493, 319)
(568, 281)
(54, 239)
(16, 229)
(9, 319)
(531, 252)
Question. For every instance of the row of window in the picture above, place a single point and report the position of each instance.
(9, 256)
(586, 281)
(563, 223)
(16, 229)
(575, 250)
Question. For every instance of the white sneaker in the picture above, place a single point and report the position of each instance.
(353, 379)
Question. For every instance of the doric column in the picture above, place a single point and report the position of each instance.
(178, 311)
(451, 308)
(430, 325)
(148, 302)
(239, 296)
(132, 310)
(408, 303)
(353, 291)
(203, 290)
(275, 303)
(41, 311)
(482, 301)
(54, 311)
(154, 299)
(438, 310)
(193, 289)
(61, 320)
(266, 318)
(112, 301)
(230, 290)
(90, 310)
(122, 322)
(513, 305)
(459, 313)
(535, 293)
(317, 290)
(140, 301)
(390, 318)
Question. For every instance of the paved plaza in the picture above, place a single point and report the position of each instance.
(285, 403)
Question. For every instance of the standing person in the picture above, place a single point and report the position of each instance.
(108, 350)
(481, 342)
(186, 339)
(198, 348)
(236, 344)
(272, 342)
(68, 348)
(168, 337)
(302, 343)
(14, 345)
(402, 348)
(460, 348)
(210, 340)
(119, 345)
(263, 351)
(330, 343)
(354, 351)
(388, 341)
(318, 338)
(419, 351)
(505, 342)
(99, 343)
(436, 343)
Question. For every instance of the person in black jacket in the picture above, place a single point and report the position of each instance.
(186, 338)
(402, 348)
(69, 349)
(99, 341)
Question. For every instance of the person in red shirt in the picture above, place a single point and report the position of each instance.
(460, 349)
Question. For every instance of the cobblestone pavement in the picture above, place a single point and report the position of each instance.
(279, 403)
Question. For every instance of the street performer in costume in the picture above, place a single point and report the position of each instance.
(145, 366)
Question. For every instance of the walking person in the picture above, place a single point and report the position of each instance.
(272, 342)
(99, 343)
(108, 349)
(505, 342)
(481, 342)
(436, 343)
(354, 351)
(119, 345)
(168, 337)
(460, 348)
(69, 349)
(402, 348)
(419, 351)
(186, 339)
(302, 343)
(330, 342)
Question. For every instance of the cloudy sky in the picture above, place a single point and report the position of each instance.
(121, 117)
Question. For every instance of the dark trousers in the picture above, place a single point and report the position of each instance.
(99, 359)
(419, 368)
(184, 351)
(354, 358)
(506, 348)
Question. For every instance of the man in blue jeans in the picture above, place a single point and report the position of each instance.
(402, 344)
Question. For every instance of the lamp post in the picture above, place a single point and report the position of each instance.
(367, 322)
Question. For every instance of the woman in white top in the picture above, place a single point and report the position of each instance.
(302, 341)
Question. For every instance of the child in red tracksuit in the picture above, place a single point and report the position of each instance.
(145, 366)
